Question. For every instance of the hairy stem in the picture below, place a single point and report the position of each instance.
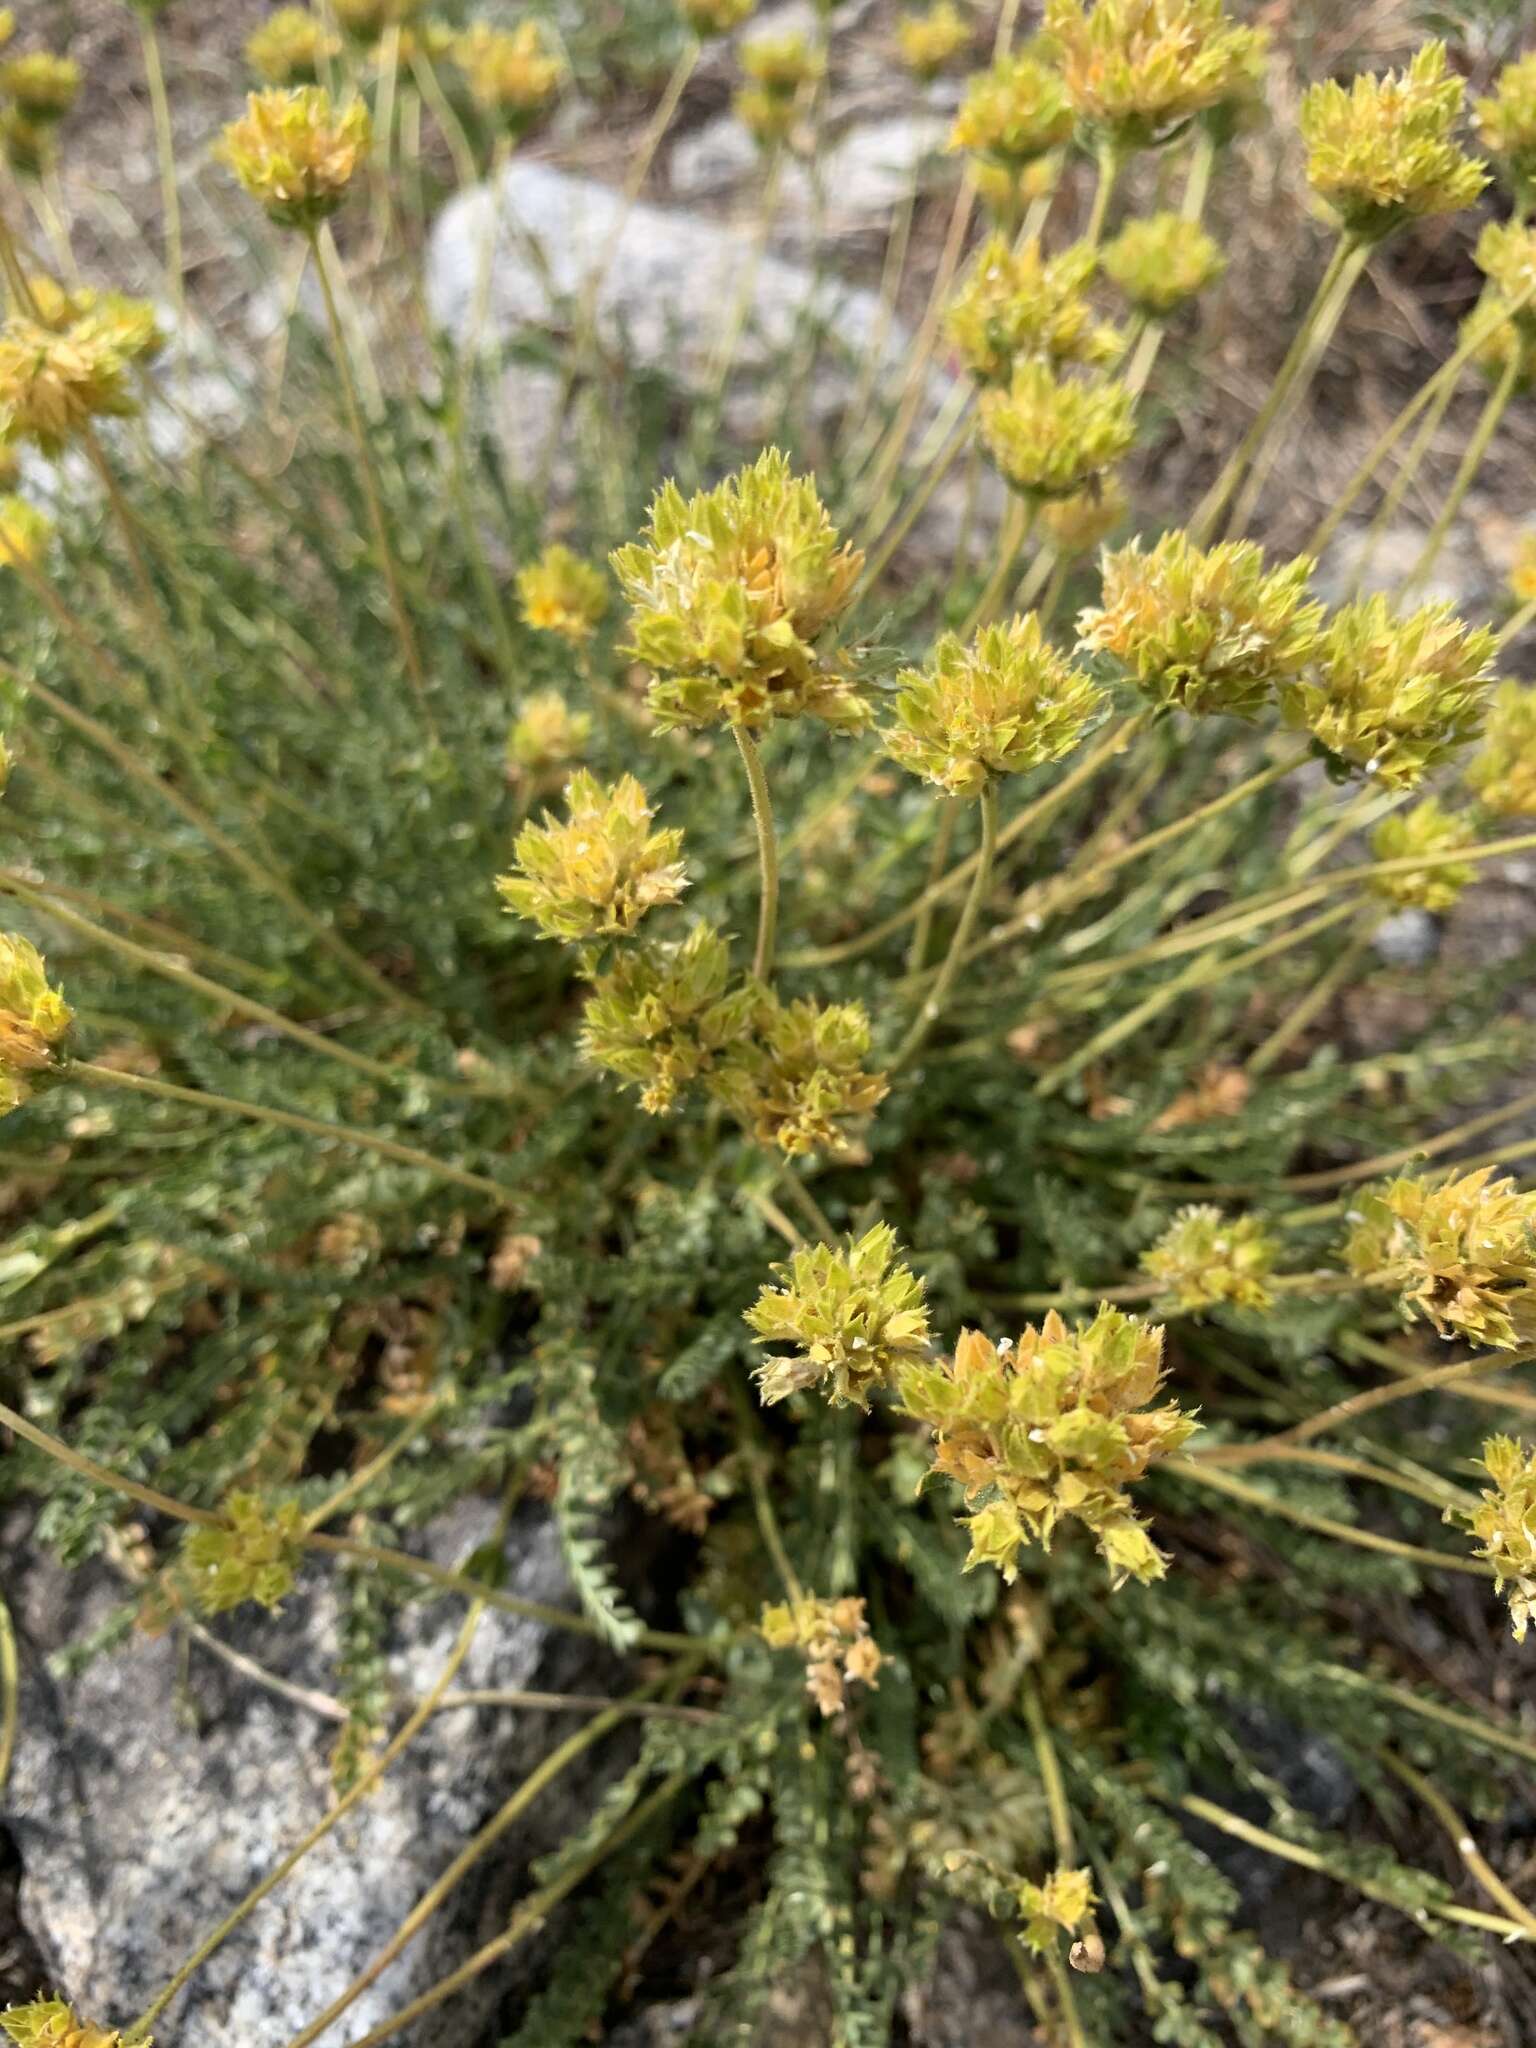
(767, 853)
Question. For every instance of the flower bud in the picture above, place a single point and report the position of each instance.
(1504, 1523)
(929, 43)
(50, 2023)
(291, 47)
(560, 593)
(595, 873)
(1014, 302)
(1506, 123)
(1205, 1258)
(1049, 437)
(510, 73)
(801, 1079)
(854, 1314)
(546, 737)
(41, 87)
(295, 153)
(1162, 261)
(1063, 1903)
(1427, 828)
(253, 1555)
(1384, 150)
(661, 1018)
(716, 17)
(24, 533)
(1136, 70)
(1013, 113)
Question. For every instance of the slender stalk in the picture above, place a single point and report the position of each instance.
(1517, 624)
(1471, 462)
(1050, 1771)
(1398, 489)
(1011, 544)
(767, 853)
(1480, 1727)
(918, 502)
(360, 1480)
(99, 1475)
(1109, 163)
(943, 839)
(1433, 1494)
(574, 1703)
(932, 1007)
(755, 1459)
(10, 1692)
(1311, 1005)
(1481, 1870)
(165, 152)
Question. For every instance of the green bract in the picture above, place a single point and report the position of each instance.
(1049, 437)
(1016, 302)
(853, 1313)
(661, 1018)
(1384, 151)
(800, 1081)
(1460, 1252)
(595, 873)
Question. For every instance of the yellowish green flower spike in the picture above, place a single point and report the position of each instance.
(24, 532)
(800, 1082)
(1209, 630)
(834, 1639)
(291, 47)
(50, 2023)
(1161, 262)
(1385, 151)
(729, 592)
(1054, 1428)
(546, 738)
(295, 153)
(1460, 1252)
(560, 593)
(1427, 828)
(1059, 1906)
(53, 384)
(1076, 525)
(929, 43)
(1050, 437)
(33, 1017)
(1502, 773)
(853, 1313)
(1395, 697)
(1136, 70)
(1506, 123)
(1204, 1259)
(1504, 1523)
(595, 873)
(1016, 302)
(1006, 703)
(716, 17)
(511, 74)
(255, 1557)
(1013, 113)
(662, 1017)
(41, 87)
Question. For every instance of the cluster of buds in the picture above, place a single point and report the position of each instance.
(1013, 114)
(834, 1639)
(929, 43)
(253, 1554)
(24, 533)
(68, 361)
(1135, 71)
(1395, 697)
(1054, 1428)
(1050, 437)
(1506, 124)
(1406, 835)
(1208, 630)
(295, 153)
(560, 593)
(291, 47)
(595, 873)
(1161, 261)
(33, 1019)
(1076, 525)
(1462, 1253)
(545, 739)
(1504, 1523)
(1006, 703)
(779, 72)
(1063, 1904)
(663, 1018)
(1017, 302)
(511, 75)
(716, 17)
(798, 1082)
(1502, 773)
(729, 592)
(1204, 1259)
(50, 2023)
(1384, 151)
(854, 1314)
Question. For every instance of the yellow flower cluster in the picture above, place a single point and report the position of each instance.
(1405, 835)
(546, 737)
(560, 593)
(295, 153)
(291, 47)
(798, 1081)
(663, 1018)
(1048, 436)
(1506, 123)
(1522, 570)
(1504, 1523)
(1053, 1428)
(853, 1313)
(1162, 261)
(510, 73)
(833, 1636)
(1013, 113)
(1462, 1252)
(1506, 255)
(1017, 302)
(50, 2023)
(253, 1555)
(55, 380)
(1384, 151)
(930, 42)
(33, 1018)
(1502, 773)
(40, 86)
(595, 873)
(1062, 1903)
(1136, 70)
(1500, 337)
(1006, 703)
(1204, 1259)
(778, 70)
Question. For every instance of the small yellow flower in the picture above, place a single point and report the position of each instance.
(128, 325)
(50, 2023)
(253, 1555)
(1014, 302)
(716, 17)
(1063, 1902)
(1204, 1258)
(929, 43)
(1076, 525)
(33, 1015)
(1162, 261)
(1050, 437)
(1504, 1523)
(1427, 828)
(663, 1016)
(560, 593)
(834, 1638)
(853, 1314)
(40, 86)
(52, 384)
(1522, 570)
(291, 47)
(510, 73)
(295, 153)
(24, 532)
(1005, 191)
(1137, 70)
(1013, 113)
(1506, 122)
(1462, 1252)
(799, 1081)
(546, 737)
(596, 872)
(1502, 773)
(1385, 151)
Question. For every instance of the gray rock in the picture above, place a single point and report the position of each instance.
(144, 1810)
(1409, 938)
(867, 171)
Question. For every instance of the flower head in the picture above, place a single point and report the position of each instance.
(1203, 1258)
(596, 872)
(510, 73)
(24, 532)
(252, 1555)
(33, 1015)
(1004, 704)
(1210, 630)
(53, 384)
(560, 593)
(778, 71)
(1506, 255)
(729, 592)
(799, 1080)
(929, 43)
(366, 20)
(1076, 525)
(1136, 70)
(1385, 151)
(50, 2023)
(1048, 436)
(1506, 122)
(1462, 1252)
(291, 47)
(40, 86)
(833, 1636)
(1013, 113)
(1427, 828)
(1395, 697)
(1161, 261)
(1053, 1428)
(546, 737)
(1502, 773)
(128, 325)
(295, 153)
(662, 1017)
(1015, 302)
(1062, 1904)
(716, 17)
(1504, 1523)
(1500, 338)
(853, 1314)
